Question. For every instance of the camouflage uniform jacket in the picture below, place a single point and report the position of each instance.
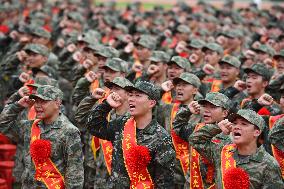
(184, 128)
(99, 178)
(154, 137)
(262, 168)
(276, 134)
(164, 118)
(66, 146)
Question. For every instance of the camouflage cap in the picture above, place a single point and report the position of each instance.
(148, 88)
(265, 49)
(188, 78)
(44, 80)
(39, 31)
(260, 69)
(121, 27)
(37, 48)
(183, 29)
(280, 54)
(48, 70)
(213, 47)
(159, 56)
(90, 37)
(231, 60)
(108, 52)
(249, 115)
(114, 64)
(196, 43)
(47, 92)
(95, 47)
(180, 61)
(76, 16)
(217, 99)
(119, 81)
(147, 41)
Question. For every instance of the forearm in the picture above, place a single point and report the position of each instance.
(98, 124)
(83, 110)
(201, 140)
(81, 90)
(181, 126)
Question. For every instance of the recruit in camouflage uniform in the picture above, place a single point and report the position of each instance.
(153, 136)
(66, 153)
(266, 175)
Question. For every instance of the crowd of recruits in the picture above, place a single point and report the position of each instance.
(189, 97)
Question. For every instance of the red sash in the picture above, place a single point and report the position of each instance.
(216, 85)
(107, 151)
(140, 178)
(46, 171)
(181, 146)
(167, 97)
(278, 154)
(95, 142)
(227, 160)
(95, 84)
(195, 174)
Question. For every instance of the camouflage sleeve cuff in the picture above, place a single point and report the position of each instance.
(255, 105)
(17, 107)
(231, 92)
(105, 107)
(184, 113)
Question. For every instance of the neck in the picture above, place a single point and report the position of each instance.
(161, 79)
(187, 102)
(258, 95)
(247, 149)
(228, 84)
(52, 119)
(144, 120)
(121, 110)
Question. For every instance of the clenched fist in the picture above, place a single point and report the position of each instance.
(114, 100)
(226, 126)
(194, 107)
(265, 100)
(167, 86)
(98, 93)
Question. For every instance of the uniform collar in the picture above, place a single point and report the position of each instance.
(150, 128)
(258, 156)
(55, 125)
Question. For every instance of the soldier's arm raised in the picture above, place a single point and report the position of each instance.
(201, 140)
(8, 119)
(276, 135)
(181, 126)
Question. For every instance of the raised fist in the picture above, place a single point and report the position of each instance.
(137, 67)
(60, 43)
(114, 100)
(240, 85)
(265, 100)
(91, 76)
(193, 58)
(98, 93)
(24, 91)
(226, 126)
(152, 69)
(194, 107)
(71, 47)
(24, 77)
(26, 102)
(87, 64)
(167, 86)
(208, 69)
(22, 55)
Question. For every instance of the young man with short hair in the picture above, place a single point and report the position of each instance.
(215, 108)
(52, 145)
(243, 162)
(141, 146)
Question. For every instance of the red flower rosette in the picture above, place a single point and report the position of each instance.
(40, 150)
(138, 158)
(236, 178)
